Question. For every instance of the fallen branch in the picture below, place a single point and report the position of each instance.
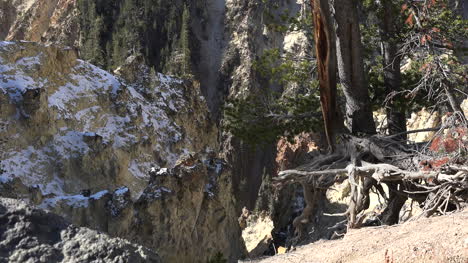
(380, 172)
(414, 131)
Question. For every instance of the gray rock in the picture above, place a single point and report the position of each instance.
(28, 234)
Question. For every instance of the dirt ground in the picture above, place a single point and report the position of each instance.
(436, 239)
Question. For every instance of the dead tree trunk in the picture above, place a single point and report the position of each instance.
(324, 35)
(359, 118)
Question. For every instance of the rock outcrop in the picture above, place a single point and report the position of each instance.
(227, 40)
(48, 21)
(227, 37)
(188, 208)
(67, 126)
(257, 234)
(82, 142)
(28, 234)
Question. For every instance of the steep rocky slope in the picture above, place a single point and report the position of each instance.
(67, 125)
(226, 37)
(224, 43)
(31, 235)
(89, 145)
(90, 138)
(189, 208)
(46, 21)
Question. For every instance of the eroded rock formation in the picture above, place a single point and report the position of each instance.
(67, 125)
(86, 133)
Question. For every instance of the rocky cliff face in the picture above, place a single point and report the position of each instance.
(47, 21)
(82, 142)
(72, 126)
(226, 37)
(87, 131)
(189, 208)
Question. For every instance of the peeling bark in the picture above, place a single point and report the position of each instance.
(326, 64)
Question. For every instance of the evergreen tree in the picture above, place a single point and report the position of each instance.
(185, 42)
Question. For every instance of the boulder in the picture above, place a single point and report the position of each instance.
(29, 234)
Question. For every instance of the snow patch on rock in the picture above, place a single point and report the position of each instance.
(80, 116)
(72, 200)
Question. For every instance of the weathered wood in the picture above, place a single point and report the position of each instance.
(324, 35)
(380, 172)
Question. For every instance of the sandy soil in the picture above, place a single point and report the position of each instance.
(437, 239)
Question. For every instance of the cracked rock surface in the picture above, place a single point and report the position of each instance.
(28, 234)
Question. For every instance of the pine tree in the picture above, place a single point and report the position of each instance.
(185, 42)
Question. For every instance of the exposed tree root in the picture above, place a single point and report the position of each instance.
(370, 162)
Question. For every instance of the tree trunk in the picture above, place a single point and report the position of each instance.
(326, 64)
(396, 117)
(391, 214)
(359, 118)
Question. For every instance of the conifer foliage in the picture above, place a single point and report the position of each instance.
(113, 30)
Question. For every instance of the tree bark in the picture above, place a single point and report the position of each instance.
(391, 214)
(324, 35)
(396, 118)
(359, 118)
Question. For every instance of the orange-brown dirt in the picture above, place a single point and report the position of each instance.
(436, 239)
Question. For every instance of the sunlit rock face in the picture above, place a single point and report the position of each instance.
(124, 124)
(66, 125)
(48, 21)
(189, 208)
(129, 154)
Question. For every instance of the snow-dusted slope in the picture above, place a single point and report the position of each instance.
(66, 125)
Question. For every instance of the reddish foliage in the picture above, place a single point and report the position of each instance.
(450, 145)
(423, 39)
(451, 142)
(439, 162)
(409, 20)
(435, 145)
(404, 7)
(430, 165)
(448, 43)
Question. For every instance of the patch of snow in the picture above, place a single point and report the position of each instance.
(5, 44)
(87, 114)
(158, 193)
(168, 80)
(25, 164)
(75, 201)
(121, 191)
(162, 171)
(209, 189)
(219, 168)
(28, 62)
(4, 179)
(53, 186)
(71, 143)
(15, 83)
(99, 195)
(89, 102)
